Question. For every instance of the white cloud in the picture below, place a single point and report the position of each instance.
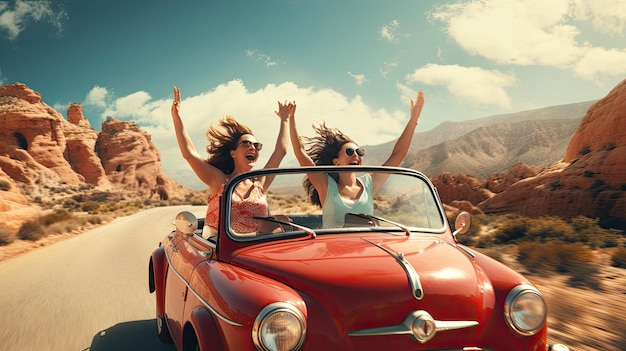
(535, 32)
(14, 20)
(266, 59)
(473, 85)
(256, 110)
(390, 33)
(607, 16)
(600, 62)
(359, 79)
(388, 67)
(97, 96)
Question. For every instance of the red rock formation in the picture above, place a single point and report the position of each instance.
(499, 182)
(460, 187)
(38, 146)
(32, 142)
(81, 146)
(14, 206)
(131, 161)
(592, 179)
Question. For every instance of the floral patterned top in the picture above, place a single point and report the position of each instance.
(243, 208)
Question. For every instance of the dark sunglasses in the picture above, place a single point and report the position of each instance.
(247, 143)
(359, 151)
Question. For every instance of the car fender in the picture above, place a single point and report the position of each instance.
(157, 273)
(209, 339)
(223, 286)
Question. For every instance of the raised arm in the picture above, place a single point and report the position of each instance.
(208, 174)
(298, 148)
(401, 147)
(282, 141)
(319, 180)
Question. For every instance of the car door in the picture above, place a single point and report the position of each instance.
(182, 257)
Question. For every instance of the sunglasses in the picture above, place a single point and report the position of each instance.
(359, 151)
(247, 143)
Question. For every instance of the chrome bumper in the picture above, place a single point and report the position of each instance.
(558, 347)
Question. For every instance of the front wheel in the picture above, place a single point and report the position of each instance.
(162, 331)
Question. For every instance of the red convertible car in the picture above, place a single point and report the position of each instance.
(393, 279)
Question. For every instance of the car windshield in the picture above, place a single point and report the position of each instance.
(384, 199)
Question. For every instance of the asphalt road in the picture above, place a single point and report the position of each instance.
(89, 292)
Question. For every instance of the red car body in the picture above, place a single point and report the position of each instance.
(395, 282)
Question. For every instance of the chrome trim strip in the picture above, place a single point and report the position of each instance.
(405, 328)
(411, 273)
(204, 302)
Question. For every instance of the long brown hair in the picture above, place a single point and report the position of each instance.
(323, 148)
(222, 138)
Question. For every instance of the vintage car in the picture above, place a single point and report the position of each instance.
(394, 279)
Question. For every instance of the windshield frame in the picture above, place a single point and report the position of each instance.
(226, 202)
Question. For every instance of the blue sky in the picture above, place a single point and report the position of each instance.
(352, 63)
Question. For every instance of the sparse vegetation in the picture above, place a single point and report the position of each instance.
(619, 258)
(72, 209)
(4, 185)
(551, 243)
(31, 230)
(6, 236)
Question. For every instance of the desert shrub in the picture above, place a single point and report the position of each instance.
(31, 230)
(548, 228)
(71, 205)
(578, 229)
(4, 185)
(62, 227)
(98, 219)
(619, 258)
(90, 206)
(6, 236)
(512, 230)
(56, 216)
(586, 230)
(575, 260)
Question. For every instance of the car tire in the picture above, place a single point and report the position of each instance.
(162, 331)
(190, 340)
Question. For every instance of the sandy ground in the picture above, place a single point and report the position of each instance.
(584, 319)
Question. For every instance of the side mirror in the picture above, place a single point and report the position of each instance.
(186, 222)
(461, 223)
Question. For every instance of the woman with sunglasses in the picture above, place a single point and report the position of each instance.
(232, 150)
(340, 193)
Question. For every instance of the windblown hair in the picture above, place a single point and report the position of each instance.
(223, 137)
(322, 149)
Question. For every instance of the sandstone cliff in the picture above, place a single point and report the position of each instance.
(40, 149)
(132, 162)
(591, 179)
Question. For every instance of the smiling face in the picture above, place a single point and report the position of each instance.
(246, 153)
(350, 154)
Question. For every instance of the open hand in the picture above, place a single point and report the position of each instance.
(176, 102)
(286, 110)
(417, 105)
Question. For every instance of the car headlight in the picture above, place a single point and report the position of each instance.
(279, 327)
(525, 310)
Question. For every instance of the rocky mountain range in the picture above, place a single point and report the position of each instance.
(589, 179)
(562, 160)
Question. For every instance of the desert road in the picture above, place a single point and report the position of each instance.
(89, 292)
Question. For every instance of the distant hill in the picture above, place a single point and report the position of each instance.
(491, 144)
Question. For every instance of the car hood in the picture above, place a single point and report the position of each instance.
(344, 276)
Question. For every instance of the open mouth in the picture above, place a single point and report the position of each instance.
(250, 157)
